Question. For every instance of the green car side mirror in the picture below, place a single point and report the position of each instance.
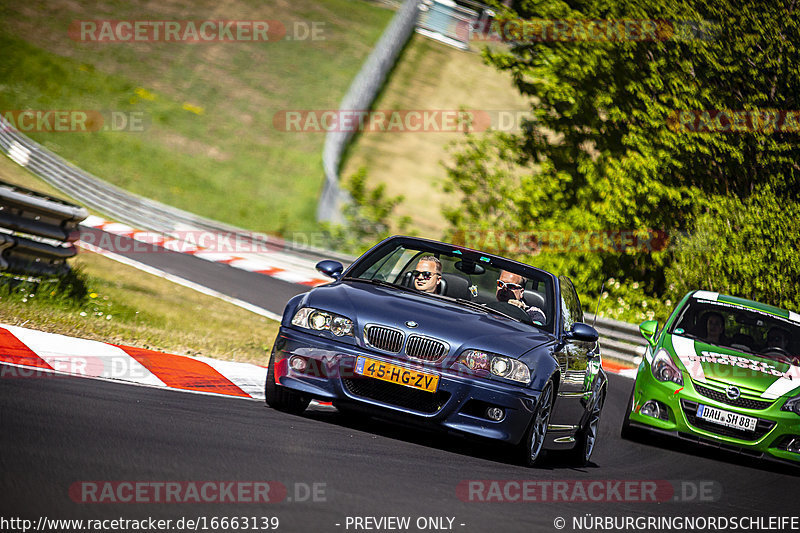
(648, 330)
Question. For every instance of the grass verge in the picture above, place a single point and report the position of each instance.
(127, 306)
(429, 76)
(208, 143)
(124, 305)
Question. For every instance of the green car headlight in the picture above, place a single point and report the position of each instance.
(664, 369)
(318, 320)
(499, 365)
(792, 405)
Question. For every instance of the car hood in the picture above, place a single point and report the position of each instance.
(459, 326)
(753, 374)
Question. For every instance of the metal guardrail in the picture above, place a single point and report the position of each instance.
(134, 210)
(449, 22)
(36, 231)
(359, 97)
(619, 340)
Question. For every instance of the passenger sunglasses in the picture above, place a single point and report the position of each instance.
(424, 275)
(512, 286)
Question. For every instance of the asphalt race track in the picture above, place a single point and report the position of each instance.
(56, 431)
(263, 291)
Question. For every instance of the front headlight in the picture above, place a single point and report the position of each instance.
(664, 369)
(792, 405)
(318, 320)
(499, 365)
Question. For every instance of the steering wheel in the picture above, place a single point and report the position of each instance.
(777, 350)
(511, 310)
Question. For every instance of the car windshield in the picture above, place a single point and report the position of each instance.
(740, 328)
(467, 277)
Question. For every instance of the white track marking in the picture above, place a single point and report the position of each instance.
(181, 281)
(249, 378)
(85, 357)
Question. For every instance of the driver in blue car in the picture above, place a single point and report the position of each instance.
(510, 289)
(427, 274)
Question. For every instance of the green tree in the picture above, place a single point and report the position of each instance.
(746, 248)
(366, 217)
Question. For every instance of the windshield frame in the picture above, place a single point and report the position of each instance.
(726, 308)
(385, 248)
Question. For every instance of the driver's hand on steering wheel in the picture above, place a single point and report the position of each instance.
(518, 303)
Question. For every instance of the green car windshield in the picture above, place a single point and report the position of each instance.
(740, 328)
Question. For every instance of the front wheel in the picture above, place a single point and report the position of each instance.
(531, 445)
(281, 398)
(628, 432)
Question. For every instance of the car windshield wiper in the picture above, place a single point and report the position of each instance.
(688, 335)
(379, 282)
(483, 307)
(373, 281)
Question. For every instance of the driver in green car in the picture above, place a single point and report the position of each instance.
(715, 329)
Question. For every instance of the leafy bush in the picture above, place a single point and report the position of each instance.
(629, 302)
(743, 248)
(604, 150)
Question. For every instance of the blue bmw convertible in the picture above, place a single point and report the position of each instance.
(446, 337)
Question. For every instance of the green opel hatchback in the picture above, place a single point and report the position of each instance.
(723, 371)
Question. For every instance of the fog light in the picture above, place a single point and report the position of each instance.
(793, 445)
(651, 408)
(298, 363)
(495, 413)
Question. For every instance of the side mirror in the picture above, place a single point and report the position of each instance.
(330, 268)
(583, 332)
(648, 330)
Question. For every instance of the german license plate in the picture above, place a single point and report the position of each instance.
(396, 374)
(726, 418)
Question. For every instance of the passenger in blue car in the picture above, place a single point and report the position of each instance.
(428, 274)
(510, 289)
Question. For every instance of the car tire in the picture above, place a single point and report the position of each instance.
(627, 432)
(530, 449)
(587, 435)
(281, 398)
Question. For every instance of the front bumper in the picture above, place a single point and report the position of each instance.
(774, 429)
(458, 405)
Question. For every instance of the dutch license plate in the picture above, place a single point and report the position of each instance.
(726, 418)
(396, 374)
